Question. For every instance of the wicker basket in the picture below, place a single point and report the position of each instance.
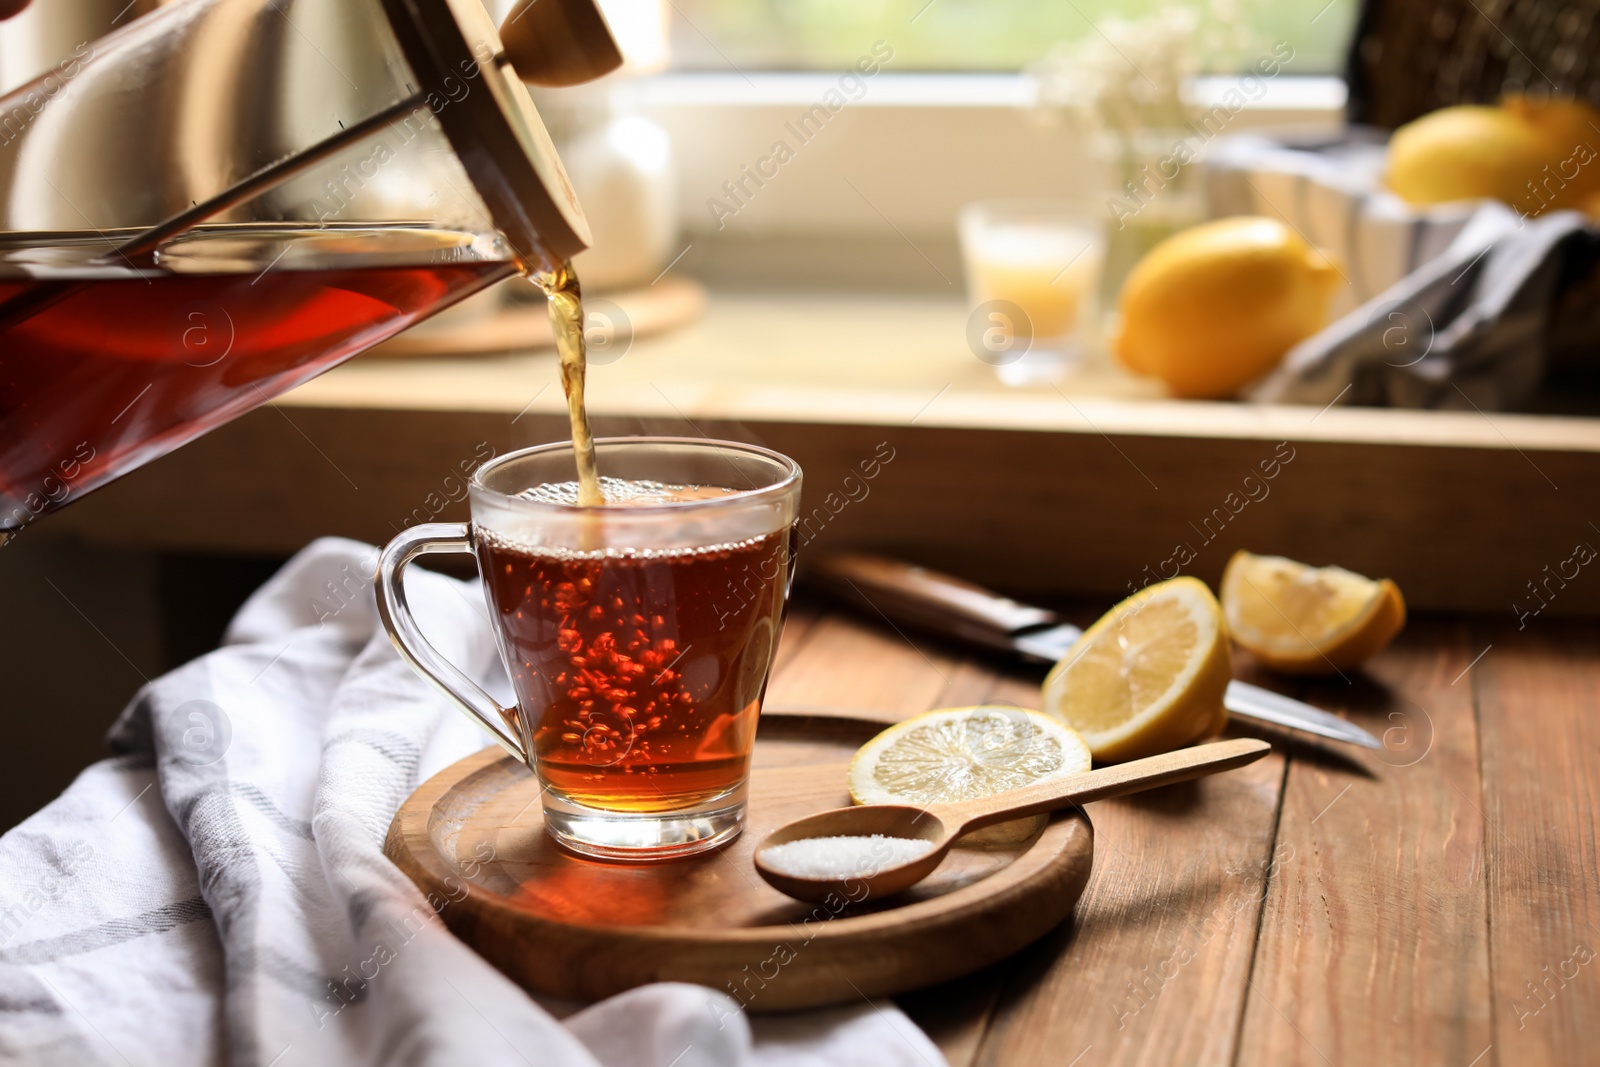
(1409, 57)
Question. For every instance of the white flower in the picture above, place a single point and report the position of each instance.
(1134, 74)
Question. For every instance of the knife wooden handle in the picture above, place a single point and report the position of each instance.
(926, 599)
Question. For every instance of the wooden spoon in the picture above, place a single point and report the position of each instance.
(943, 823)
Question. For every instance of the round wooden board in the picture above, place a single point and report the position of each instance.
(582, 929)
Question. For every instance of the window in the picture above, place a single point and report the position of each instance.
(977, 35)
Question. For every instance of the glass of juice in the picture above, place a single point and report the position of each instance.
(638, 635)
(1033, 272)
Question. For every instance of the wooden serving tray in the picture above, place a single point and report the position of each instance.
(572, 927)
(1043, 494)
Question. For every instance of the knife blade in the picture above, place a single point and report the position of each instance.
(928, 600)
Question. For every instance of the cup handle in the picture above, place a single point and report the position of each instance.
(393, 610)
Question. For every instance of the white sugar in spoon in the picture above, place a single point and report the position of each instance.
(897, 863)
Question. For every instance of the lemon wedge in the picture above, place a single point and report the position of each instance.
(962, 754)
(1149, 676)
(1308, 620)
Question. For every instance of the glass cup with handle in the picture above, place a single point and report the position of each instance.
(639, 636)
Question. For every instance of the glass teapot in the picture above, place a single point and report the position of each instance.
(228, 197)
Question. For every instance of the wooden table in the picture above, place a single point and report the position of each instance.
(1437, 902)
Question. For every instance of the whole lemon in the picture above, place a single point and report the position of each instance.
(1468, 152)
(1571, 130)
(1217, 306)
(1566, 122)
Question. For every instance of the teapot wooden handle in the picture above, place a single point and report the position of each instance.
(559, 42)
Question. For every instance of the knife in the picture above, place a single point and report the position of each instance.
(928, 600)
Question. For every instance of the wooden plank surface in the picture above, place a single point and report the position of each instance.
(1538, 694)
(1437, 902)
(876, 672)
(1374, 938)
(1152, 969)
(1178, 874)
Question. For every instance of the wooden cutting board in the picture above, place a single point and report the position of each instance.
(559, 924)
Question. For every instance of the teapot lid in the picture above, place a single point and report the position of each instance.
(469, 84)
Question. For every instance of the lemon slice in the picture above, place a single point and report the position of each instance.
(962, 754)
(1149, 676)
(1308, 620)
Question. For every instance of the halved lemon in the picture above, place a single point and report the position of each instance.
(962, 754)
(1149, 676)
(1308, 620)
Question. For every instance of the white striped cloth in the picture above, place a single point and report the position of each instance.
(1450, 306)
(218, 892)
(1333, 194)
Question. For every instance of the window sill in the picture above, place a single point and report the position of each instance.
(1319, 94)
(879, 184)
